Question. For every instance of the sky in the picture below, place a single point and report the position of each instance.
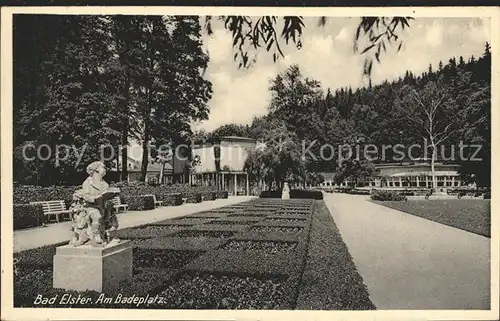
(327, 55)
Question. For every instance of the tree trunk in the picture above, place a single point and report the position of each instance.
(433, 172)
(124, 151)
(145, 142)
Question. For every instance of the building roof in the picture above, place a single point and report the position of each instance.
(238, 138)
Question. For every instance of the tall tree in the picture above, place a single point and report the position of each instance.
(431, 111)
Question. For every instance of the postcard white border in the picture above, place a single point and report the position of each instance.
(9, 313)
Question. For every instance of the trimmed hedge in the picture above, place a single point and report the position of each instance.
(24, 194)
(139, 203)
(27, 215)
(387, 196)
(222, 194)
(209, 196)
(301, 193)
(294, 193)
(174, 199)
(194, 198)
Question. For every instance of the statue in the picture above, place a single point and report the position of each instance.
(285, 193)
(92, 209)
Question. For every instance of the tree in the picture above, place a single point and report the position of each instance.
(431, 112)
(252, 33)
(173, 90)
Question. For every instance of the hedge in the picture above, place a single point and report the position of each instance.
(24, 194)
(193, 198)
(387, 196)
(27, 215)
(222, 194)
(174, 199)
(302, 193)
(209, 196)
(139, 203)
(294, 193)
(487, 195)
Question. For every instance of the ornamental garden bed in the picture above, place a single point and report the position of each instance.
(232, 262)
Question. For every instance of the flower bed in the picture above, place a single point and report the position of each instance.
(229, 266)
(269, 247)
(277, 229)
(209, 291)
(147, 232)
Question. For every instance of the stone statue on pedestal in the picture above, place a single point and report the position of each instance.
(92, 209)
(285, 193)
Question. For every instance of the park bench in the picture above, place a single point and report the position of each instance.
(117, 204)
(157, 203)
(54, 208)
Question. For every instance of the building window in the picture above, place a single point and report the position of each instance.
(396, 184)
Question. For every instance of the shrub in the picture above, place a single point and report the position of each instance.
(407, 193)
(270, 194)
(222, 194)
(139, 203)
(171, 199)
(193, 198)
(24, 194)
(27, 215)
(209, 196)
(301, 193)
(487, 195)
(387, 196)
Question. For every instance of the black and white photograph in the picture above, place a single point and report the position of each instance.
(228, 163)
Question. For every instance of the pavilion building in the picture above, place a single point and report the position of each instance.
(403, 176)
(222, 164)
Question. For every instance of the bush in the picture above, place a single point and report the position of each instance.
(24, 194)
(407, 193)
(270, 194)
(209, 196)
(174, 199)
(27, 215)
(487, 195)
(222, 194)
(387, 196)
(193, 198)
(302, 193)
(139, 203)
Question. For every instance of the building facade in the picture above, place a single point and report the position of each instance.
(222, 165)
(403, 176)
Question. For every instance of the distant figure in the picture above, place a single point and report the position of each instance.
(429, 193)
(285, 194)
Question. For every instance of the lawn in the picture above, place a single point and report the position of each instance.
(466, 214)
(261, 254)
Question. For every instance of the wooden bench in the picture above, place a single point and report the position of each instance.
(157, 203)
(54, 208)
(117, 204)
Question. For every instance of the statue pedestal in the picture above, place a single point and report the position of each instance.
(92, 268)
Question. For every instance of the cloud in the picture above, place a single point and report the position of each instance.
(434, 36)
(343, 35)
(327, 56)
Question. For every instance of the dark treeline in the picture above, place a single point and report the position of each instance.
(456, 93)
(91, 81)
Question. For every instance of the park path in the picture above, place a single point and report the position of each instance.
(59, 232)
(411, 263)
